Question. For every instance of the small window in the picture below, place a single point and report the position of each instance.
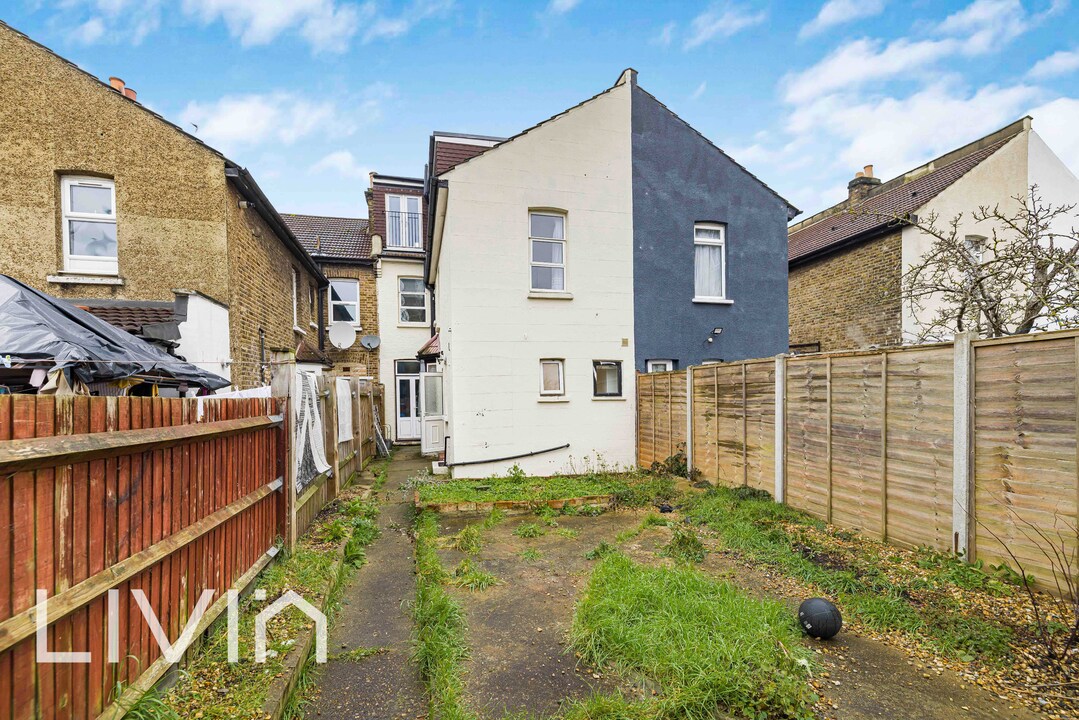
(606, 378)
(709, 261)
(345, 301)
(547, 236)
(89, 217)
(412, 300)
(404, 221)
(408, 367)
(552, 377)
(660, 365)
(975, 247)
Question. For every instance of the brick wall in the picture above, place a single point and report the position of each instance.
(848, 299)
(260, 293)
(56, 120)
(356, 360)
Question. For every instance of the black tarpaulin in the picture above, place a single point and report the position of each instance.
(35, 327)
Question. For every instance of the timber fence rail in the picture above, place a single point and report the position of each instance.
(964, 446)
(124, 493)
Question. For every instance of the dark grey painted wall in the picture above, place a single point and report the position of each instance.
(679, 179)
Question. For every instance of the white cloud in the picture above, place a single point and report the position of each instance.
(237, 121)
(1061, 62)
(862, 61)
(699, 91)
(840, 12)
(666, 35)
(325, 24)
(110, 21)
(717, 22)
(561, 7)
(341, 162)
(986, 24)
(382, 27)
(1055, 122)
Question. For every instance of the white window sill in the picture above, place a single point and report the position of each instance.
(299, 330)
(413, 325)
(610, 399)
(713, 301)
(553, 399)
(397, 248)
(549, 295)
(312, 325)
(76, 279)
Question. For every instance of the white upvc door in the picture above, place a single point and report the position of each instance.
(408, 407)
(432, 414)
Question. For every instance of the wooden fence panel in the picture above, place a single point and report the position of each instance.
(1025, 452)
(730, 432)
(919, 447)
(705, 439)
(808, 435)
(661, 420)
(760, 418)
(857, 402)
(78, 526)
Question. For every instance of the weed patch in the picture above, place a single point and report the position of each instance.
(685, 547)
(709, 645)
(529, 530)
(629, 489)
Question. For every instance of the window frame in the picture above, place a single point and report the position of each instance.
(596, 364)
(330, 302)
(295, 299)
(87, 264)
(672, 365)
(561, 364)
(402, 222)
(723, 296)
(562, 241)
(400, 307)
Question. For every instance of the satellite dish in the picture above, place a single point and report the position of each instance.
(370, 341)
(342, 335)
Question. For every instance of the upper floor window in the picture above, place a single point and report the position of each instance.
(547, 237)
(659, 366)
(345, 301)
(412, 300)
(552, 377)
(404, 216)
(709, 262)
(89, 216)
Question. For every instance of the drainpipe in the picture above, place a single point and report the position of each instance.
(322, 319)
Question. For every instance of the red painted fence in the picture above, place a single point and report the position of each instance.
(124, 493)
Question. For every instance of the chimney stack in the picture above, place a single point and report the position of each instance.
(862, 186)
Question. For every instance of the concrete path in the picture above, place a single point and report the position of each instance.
(374, 614)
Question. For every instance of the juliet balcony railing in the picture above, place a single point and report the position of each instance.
(404, 230)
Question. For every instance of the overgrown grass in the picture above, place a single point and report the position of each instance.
(439, 629)
(601, 551)
(867, 579)
(708, 645)
(471, 576)
(629, 489)
(529, 530)
(685, 546)
(530, 555)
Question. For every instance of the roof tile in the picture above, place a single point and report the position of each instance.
(331, 238)
(878, 210)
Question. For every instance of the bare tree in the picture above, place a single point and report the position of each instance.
(1021, 275)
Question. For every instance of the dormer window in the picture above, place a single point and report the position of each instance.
(89, 215)
(404, 222)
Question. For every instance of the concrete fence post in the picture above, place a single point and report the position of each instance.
(781, 428)
(689, 422)
(962, 465)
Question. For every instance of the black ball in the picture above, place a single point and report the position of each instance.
(820, 618)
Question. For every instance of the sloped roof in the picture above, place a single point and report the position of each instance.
(132, 317)
(331, 238)
(898, 197)
(308, 353)
(449, 154)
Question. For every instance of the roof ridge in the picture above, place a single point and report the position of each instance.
(945, 160)
(328, 217)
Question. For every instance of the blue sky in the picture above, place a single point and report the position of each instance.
(312, 94)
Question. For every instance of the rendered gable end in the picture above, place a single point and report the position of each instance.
(680, 178)
(494, 335)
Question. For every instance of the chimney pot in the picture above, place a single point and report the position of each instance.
(130, 94)
(117, 84)
(869, 171)
(859, 174)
